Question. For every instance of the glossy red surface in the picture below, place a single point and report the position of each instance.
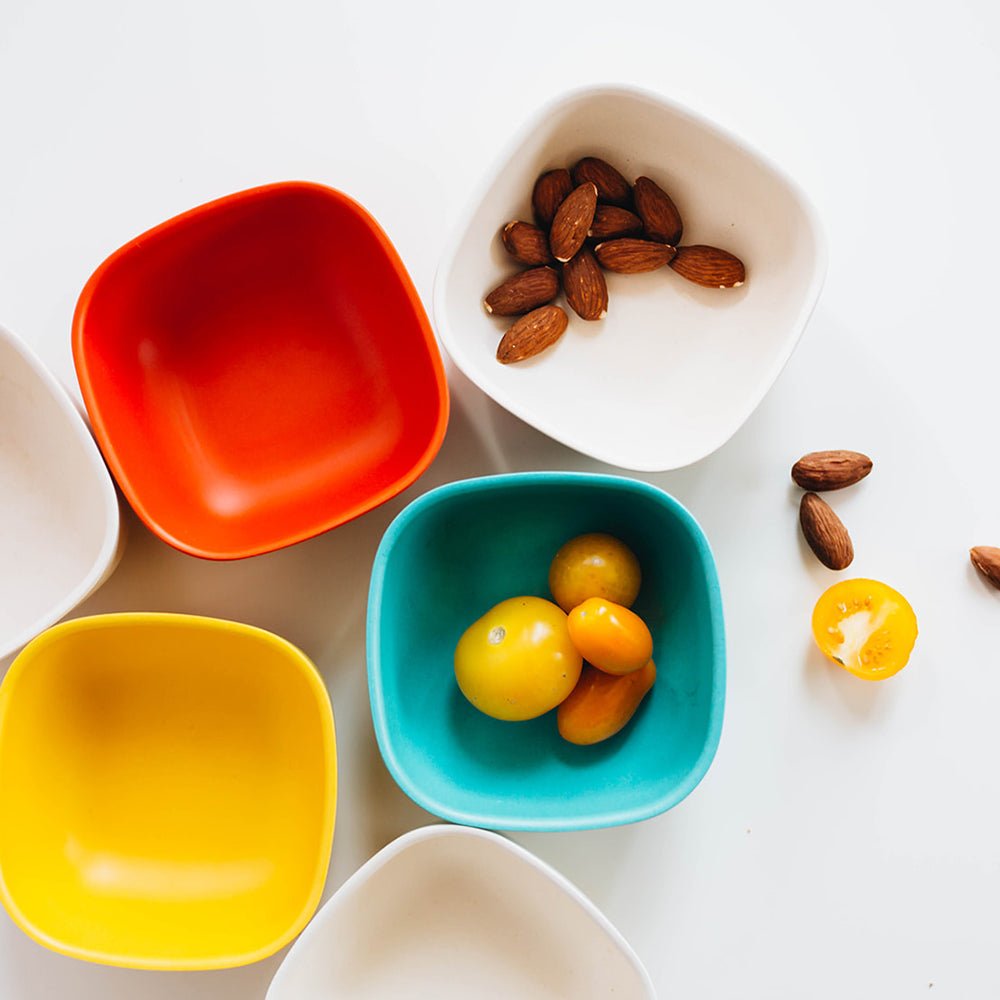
(258, 370)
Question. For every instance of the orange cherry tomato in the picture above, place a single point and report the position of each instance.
(866, 627)
(609, 636)
(602, 704)
(594, 565)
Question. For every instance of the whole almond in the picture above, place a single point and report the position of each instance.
(825, 532)
(584, 286)
(611, 221)
(523, 291)
(526, 243)
(830, 470)
(550, 191)
(709, 266)
(531, 334)
(612, 187)
(572, 222)
(631, 256)
(660, 219)
(986, 558)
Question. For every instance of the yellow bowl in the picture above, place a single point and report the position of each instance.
(167, 791)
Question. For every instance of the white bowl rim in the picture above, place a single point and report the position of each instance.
(510, 402)
(437, 831)
(110, 551)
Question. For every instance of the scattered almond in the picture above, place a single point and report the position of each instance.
(709, 266)
(526, 243)
(522, 292)
(632, 256)
(584, 286)
(986, 558)
(825, 532)
(660, 219)
(572, 222)
(611, 221)
(550, 191)
(830, 470)
(531, 334)
(612, 187)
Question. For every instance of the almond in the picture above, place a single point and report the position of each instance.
(526, 243)
(611, 221)
(584, 286)
(550, 192)
(709, 266)
(531, 334)
(572, 222)
(523, 291)
(611, 186)
(660, 219)
(830, 470)
(631, 256)
(986, 558)
(825, 532)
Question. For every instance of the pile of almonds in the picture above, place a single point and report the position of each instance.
(589, 219)
(819, 472)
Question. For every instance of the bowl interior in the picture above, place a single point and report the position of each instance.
(166, 792)
(456, 914)
(675, 368)
(57, 504)
(461, 549)
(260, 369)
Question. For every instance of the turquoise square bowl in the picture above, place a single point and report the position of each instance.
(455, 552)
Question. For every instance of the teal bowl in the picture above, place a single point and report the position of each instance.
(455, 552)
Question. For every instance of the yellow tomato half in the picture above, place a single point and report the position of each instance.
(518, 661)
(866, 627)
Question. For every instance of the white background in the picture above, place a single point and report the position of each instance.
(846, 841)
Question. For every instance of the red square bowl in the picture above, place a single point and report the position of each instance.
(258, 370)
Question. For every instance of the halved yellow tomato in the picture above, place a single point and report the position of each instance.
(518, 661)
(866, 627)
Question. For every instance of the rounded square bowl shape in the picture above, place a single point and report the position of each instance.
(674, 369)
(460, 549)
(448, 912)
(167, 791)
(259, 370)
(61, 533)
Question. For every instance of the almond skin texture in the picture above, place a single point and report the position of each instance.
(631, 256)
(551, 190)
(584, 286)
(986, 558)
(522, 292)
(572, 222)
(526, 243)
(531, 334)
(612, 188)
(611, 221)
(660, 219)
(821, 471)
(825, 532)
(709, 266)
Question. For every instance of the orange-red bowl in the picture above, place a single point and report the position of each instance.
(258, 370)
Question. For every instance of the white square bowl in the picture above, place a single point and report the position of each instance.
(60, 529)
(451, 912)
(674, 369)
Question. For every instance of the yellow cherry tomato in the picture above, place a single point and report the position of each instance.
(594, 565)
(609, 636)
(518, 661)
(866, 627)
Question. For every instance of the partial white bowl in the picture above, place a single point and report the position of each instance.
(60, 528)
(674, 369)
(449, 912)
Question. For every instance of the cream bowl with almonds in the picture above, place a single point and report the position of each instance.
(673, 369)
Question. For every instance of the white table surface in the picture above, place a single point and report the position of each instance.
(845, 842)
